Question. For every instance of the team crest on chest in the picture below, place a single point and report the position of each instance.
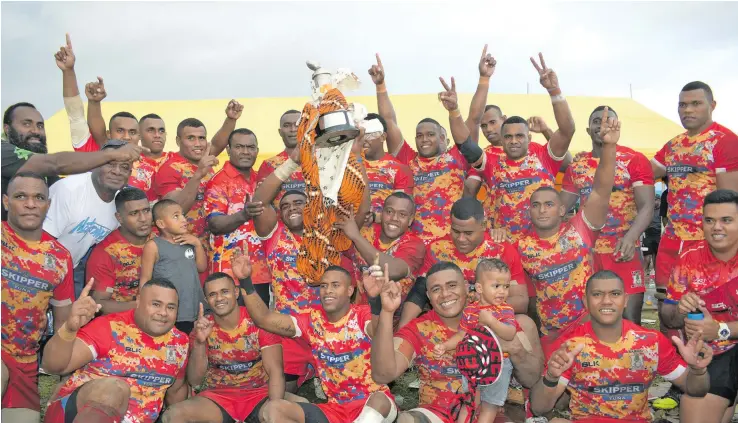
(171, 355)
(49, 263)
(636, 361)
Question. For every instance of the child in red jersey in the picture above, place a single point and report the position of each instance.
(493, 284)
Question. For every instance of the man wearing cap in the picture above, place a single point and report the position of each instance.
(82, 211)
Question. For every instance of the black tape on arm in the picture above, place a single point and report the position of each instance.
(472, 152)
(375, 304)
(247, 285)
(418, 293)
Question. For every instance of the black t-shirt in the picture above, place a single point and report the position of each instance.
(13, 158)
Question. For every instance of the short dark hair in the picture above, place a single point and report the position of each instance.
(430, 120)
(190, 123)
(121, 115)
(402, 195)
(603, 274)
(441, 266)
(721, 196)
(292, 192)
(127, 194)
(490, 264)
(161, 282)
(289, 112)
(27, 174)
(372, 116)
(467, 208)
(699, 85)
(493, 106)
(242, 131)
(150, 116)
(545, 189)
(8, 116)
(114, 144)
(334, 268)
(217, 275)
(601, 108)
(513, 120)
(160, 206)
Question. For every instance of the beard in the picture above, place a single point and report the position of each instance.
(21, 141)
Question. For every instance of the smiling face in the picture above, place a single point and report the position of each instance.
(222, 296)
(606, 300)
(156, 310)
(720, 225)
(290, 210)
(447, 292)
(192, 143)
(27, 130)
(428, 139)
(335, 291)
(397, 216)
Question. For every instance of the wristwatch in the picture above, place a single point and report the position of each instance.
(723, 332)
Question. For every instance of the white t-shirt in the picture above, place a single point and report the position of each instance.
(78, 218)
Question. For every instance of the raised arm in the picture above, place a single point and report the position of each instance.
(64, 353)
(269, 320)
(487, 65)
(597, 205)
(65, 60)
(95, 92)
(398, 269)
(71, 163)
(220, 139)
(698, 355)
(560, 140)
(387, 363)
(385, 108)
(186, 196)
(197, 364)
(460, 133)
(550, 387)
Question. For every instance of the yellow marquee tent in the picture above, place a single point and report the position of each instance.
(643, 129)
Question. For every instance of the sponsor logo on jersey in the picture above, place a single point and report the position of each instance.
(22, 281)
(516, 186)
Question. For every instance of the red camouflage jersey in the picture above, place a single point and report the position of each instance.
(121, 349)
(512, 182)
(408, 248)
(143, 171)
(692, 165)
(386, 176)
(444, 250)
(34, 276)
(632, 170)
(439, 182)
(503, 312)
(173, 175)
(115, 264)
(342, 353)
(558, 268)
(699, 271)
(440, 379)
(611, 381)
(234, 356)
(291, 293)
(296, 181)
(226, 194)
(476, 174)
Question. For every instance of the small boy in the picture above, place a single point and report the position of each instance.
(493, 285)
(177, 256)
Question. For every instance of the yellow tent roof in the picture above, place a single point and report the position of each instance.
(642, 130)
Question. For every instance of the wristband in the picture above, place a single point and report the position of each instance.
(285, 170)
(484, 80)
(550, 383)
(381, 88)
(554, 91)
(247, 285)
(557, 98)
(66, 334)
(375, 304)
(454, 113)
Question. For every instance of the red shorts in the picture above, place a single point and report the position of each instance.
(22, 389)
(630, 271)
(668, 256)
(347, 412)
(237, 402)
(298, 359)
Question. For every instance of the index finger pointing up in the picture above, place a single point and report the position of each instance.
(379, 61)
(69, 40)
(202, 312)
(484, 52)
(86, 291)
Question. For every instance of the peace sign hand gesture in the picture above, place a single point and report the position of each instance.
(487, 64)
(609, 128)
(83, 309)
(65, 56)
(203, 327)
(449, 98)
(377, 72)
(549, 80)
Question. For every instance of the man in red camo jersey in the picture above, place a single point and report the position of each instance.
(467, 243)
(608, 363)
(36, 273)
(115, 263)
(705, 281)
(385, 173)
(525, 167)
(439, 173)
(109, 381)
(288, 132)
(618, 247)
(440, 379)
(557, 255)
(339, 335)
(700, 160)
(238, 365)
(230, 209)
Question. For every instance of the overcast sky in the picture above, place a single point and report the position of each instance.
(199, 50)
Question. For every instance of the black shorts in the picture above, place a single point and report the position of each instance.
(724, 375)
(652, 245)
(313, 414)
